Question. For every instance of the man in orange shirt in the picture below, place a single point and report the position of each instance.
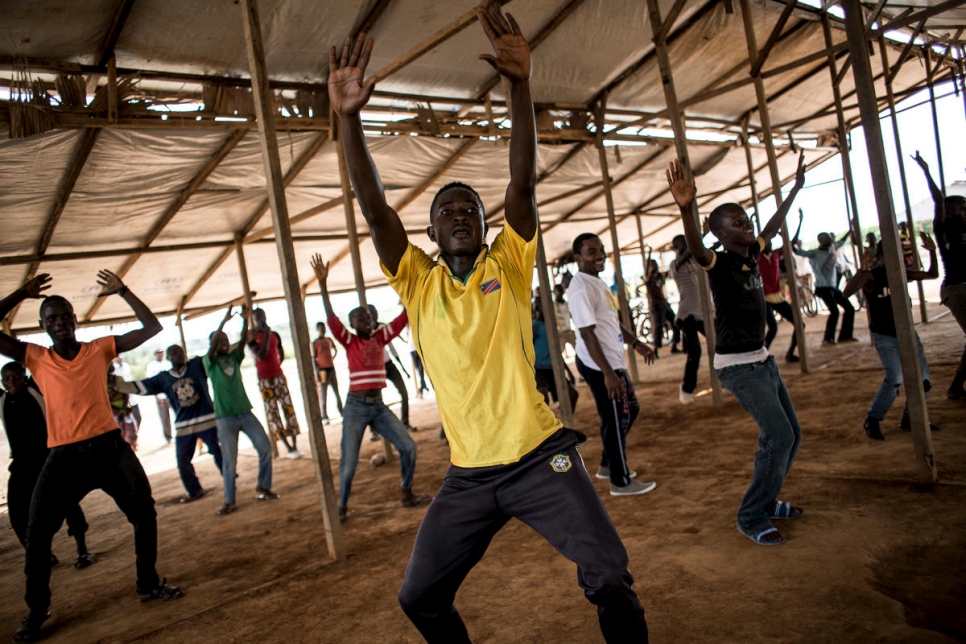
(86, 448)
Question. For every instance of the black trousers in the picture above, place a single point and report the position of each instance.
(616, 418)
(396, 378)
(330, 381)
(20, 489)
(783, 309)
(550, 491)
(833, 299)
(690, 328)
(107, 463)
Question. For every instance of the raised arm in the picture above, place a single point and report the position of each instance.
(243, 337)
(798, 231)
(775, 223)
(348, 94)
(934, 190)
(682, 187)
(512, 61)
(150, 326)
(862, 277)
(322, 274)
(32, 289)
(227, 317)
(933, 272)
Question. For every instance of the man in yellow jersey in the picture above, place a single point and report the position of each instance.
(470, 316)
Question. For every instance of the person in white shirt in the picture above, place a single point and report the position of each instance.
(600, 361)
(155, 367)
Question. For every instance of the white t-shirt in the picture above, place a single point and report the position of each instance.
(592, 304)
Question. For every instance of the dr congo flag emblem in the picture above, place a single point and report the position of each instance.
(489, 287)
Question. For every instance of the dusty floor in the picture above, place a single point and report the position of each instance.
(875, 559)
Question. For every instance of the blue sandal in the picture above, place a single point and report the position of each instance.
(785, 510)
(759, 537)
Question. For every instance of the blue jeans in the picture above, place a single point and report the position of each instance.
(887, 346)
(185, 450)
(228, 429)
(759, 389)
(357, 414)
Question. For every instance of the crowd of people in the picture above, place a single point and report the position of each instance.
(479, 338)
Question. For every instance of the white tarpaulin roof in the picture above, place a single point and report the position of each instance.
(123, 211)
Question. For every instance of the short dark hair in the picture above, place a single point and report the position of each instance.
(579, 241)
(679, 239)
(12, 366)
(715, 219)
(450, 186)
(52, 299)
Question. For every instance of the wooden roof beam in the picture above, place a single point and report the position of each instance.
(196, 182)
(773, 38)
(372, 16)
(113, 32)
(919, 16)
(430, 43)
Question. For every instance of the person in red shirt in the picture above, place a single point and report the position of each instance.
(363, 404)
(769, 265)
(324, 350)
(269, 354)
(86, 448)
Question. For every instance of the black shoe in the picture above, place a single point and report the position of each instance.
(906, 424)
(264, 494)
(84, 560)
(872, 429)
(226, 508)
(162, 593)
(29, 630)
(343, 514)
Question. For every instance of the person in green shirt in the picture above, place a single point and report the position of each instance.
(233, 412)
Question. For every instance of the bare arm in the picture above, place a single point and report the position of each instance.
(682, 187)
(614, 389)
(644, 350)
(227, 317)
(322, 274)
(150, 326)
(348, 94)
(240, 345)
(774, 224)
(937, 194)
(33, 288)
(933, 271)
(261, 348)
(858, 281)
(512, 61)
(798, 231)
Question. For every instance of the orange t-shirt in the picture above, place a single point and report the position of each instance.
(78, 407)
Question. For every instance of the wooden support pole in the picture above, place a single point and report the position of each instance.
(930, 71)
(844, 150)
(553, 336)
(243, 271)
(264, 109)
(775, 181)
(180, 322)
(625, 309)
(640, 240)
(681, 146)
(751, 173)
(910, 223)
(892, 249)
(350, 224)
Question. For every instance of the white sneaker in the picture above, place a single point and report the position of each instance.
(634, 487)
(684, 397)
(603, 473)
(294, 455)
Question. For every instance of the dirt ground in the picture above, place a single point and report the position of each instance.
(875, 558)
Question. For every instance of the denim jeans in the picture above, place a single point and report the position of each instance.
(887, 346)
(759, 389)
(185, 450)
(228, 429)
(359, 413)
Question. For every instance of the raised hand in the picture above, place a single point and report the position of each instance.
(927, 241)
(681, 183)
(800, 172)
(512, 58)
(348, 91)
(228, 312)
(109, 282)
(801, 215)
(918, 159)
(321, 268)
(36, 286)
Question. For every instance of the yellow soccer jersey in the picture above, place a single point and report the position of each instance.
(475, 338)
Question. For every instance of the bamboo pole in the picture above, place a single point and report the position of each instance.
(264, 109)
(892, 249)
(930, 71)
(681, 145)
(553, 336)
(883, 51)
(775, 182)
(625, 309)
(751, 174)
